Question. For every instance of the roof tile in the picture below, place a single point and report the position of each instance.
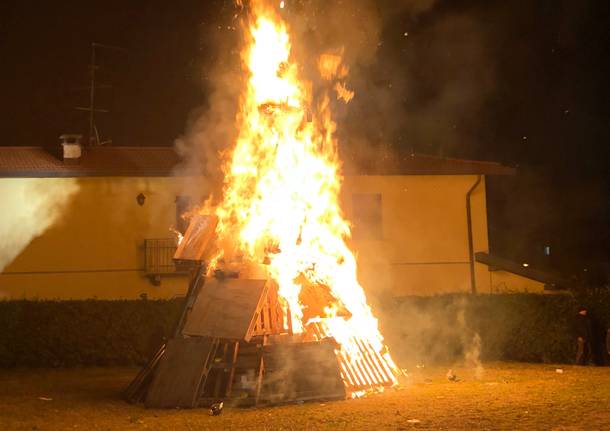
(96, 161)
(161, 161)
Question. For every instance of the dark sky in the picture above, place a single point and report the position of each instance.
(522, 82)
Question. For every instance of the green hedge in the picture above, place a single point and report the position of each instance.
(531, 328)
(83, 333)
(519, 327)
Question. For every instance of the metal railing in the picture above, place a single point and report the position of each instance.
(159, 255)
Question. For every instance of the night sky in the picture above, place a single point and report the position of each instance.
(524, 83)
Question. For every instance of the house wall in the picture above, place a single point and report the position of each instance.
(423, 249)
(94, 247)
(507, 282)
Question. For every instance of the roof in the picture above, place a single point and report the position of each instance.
(421, 164)
(96, 162)
(551, 279)
(161, 161)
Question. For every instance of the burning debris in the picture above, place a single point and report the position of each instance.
(275, 312)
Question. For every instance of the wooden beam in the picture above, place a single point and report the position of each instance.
(259, 382)
(232, 371)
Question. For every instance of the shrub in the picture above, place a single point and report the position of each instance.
(83, 333)
(519, 327)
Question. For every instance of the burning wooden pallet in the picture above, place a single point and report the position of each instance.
(210, 361)
(235, 343)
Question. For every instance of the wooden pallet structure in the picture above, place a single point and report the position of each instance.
(233, 343)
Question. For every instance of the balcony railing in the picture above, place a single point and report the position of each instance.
(159, 255)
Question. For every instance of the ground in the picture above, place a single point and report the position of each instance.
(507, 396)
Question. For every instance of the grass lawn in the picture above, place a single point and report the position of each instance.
(508, 396)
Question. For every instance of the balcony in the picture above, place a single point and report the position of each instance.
(158, 258)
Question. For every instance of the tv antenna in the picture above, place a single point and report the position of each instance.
(93, 137)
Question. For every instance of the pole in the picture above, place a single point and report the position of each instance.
(92, 68)
(473, 282)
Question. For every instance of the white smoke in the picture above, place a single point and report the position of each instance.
(472, 357)
(471, 345)
(30, 206)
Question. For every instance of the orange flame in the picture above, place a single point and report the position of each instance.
(281, 204)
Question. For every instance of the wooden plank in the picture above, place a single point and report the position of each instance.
(195, 285)
(351, 377)
(197, 238)
(181, 373)
(270, 319)
(222, 364)
(369, 363)
(226, 308)
(265, 313)
(259, 381)
(232, 372)
(272, 305)
(289, 320)
(136, 390)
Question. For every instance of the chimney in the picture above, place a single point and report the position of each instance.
(72, 149)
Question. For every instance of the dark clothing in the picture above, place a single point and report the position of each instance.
(584, 336)
(584, 353)
(584, 327)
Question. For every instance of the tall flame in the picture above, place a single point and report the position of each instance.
(281, 203)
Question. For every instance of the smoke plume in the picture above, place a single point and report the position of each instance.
(355, 29)
(35, 205)
(211, 128)
(420, 70)
(433, 331)
(471, 342)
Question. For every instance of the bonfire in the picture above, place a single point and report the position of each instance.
(274, 311)
(280, 203)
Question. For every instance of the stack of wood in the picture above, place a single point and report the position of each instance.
(233, 344)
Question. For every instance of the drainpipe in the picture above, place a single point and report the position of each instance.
(473, 283)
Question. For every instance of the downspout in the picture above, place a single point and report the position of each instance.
(473, 283)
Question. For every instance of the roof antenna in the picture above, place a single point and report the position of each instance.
(93, 137)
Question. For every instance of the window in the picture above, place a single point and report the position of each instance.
(183, 206)
(366, 209)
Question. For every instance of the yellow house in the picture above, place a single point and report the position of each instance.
(424, 219)
(96, 224)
